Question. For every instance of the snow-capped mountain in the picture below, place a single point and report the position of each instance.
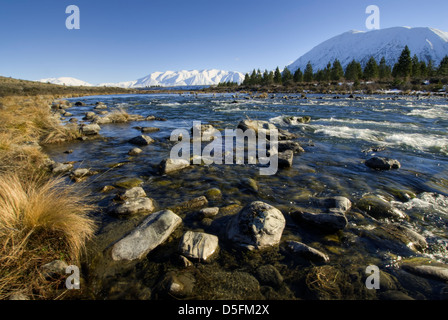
(426, 43)
(66, 81)
(123, 84)
(188, 78)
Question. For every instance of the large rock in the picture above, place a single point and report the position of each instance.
(290, 145)
(258, 125)
(90, 129)
(59, 168)
(379, 208)
(427, 271)
(327, 221)
(285, 159)
(307, 252)
(256, 226)
(152, 232)
(171, 165)
(141, 140)
(380, 163)
(198, 245)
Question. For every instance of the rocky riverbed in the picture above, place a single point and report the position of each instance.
(360, 182)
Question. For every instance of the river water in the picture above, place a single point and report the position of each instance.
(342, 134)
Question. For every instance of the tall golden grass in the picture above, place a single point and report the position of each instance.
(40, 220)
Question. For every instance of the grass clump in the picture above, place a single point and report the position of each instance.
(40, 220)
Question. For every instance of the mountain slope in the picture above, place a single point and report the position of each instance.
(426, 43)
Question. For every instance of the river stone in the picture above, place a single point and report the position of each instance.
(328, 221)
(207, 131)
(433, 272)
(379, 208)
(152, 232)
(54, 269)
(412, 239)
(136, 192)
(256, 125)
(335, 204)
(294, 146)
(380, 163)
(177, 284)
(269, 275)
(90, 129)
(198, 245)
(307, 252)
(292, 120)
(257, 226)
(208, 212)
(285, 159)
(149, 129)
(135, 151)
(171, 165)
(59, 168)
(141, 140)
(134, 206)
(89, 115)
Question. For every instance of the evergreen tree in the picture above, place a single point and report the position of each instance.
(430, 69)
(268, 78)
(337, 72)
(371, 70)
(308, 74)
(353, 71)
(443, 68)
(416, 71)
(277, 76)
(423, 69)
(286, 76)
(298, 76)
(246, 80)
(327, 72)
(384, 71)
(253, 78)
(403, 68)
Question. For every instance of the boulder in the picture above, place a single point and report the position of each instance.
(380, 163)
(171, 165)
(257, 226)
(327, 221)
(90, 129)
(152, 232)
(135, 192)
(89, 115)
(207, 131)
(307, 252)
(141, 140)
(379, 208)
(290, 145)
(208, 212)
(198, 245)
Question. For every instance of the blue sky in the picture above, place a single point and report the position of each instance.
(125, 40)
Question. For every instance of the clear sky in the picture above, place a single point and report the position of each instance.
(122, 40)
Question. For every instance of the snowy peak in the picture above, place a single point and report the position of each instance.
(426, 43)
(66, 81)
(189, 78)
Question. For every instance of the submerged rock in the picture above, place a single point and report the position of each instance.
(149, 129)
(380, 163)
(327, 221)
(172, 165)
(152, 232)
(198, 245)
(58, 168)
(433, 272)
(135, 151)
(307, 252)
(257, 226)
(285, 159)
(379, 208)
(269, 275)
(141, 140)
(133, 206)
(294, 146)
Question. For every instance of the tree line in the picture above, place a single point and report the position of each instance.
(407, 68)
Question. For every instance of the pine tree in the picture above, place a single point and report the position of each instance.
(327, 72)
(286, 77)
(442, 71)
(423, 69)
(268, 78)
(246, 80)
(308, 75)
(371, 70)
(353, 71)
(430, 69)
(403, 68)
(337, 72)
(416, 71)
(277, 76)
(298, 76)
(384, 71)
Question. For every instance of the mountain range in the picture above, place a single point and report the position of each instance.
(427, 43)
